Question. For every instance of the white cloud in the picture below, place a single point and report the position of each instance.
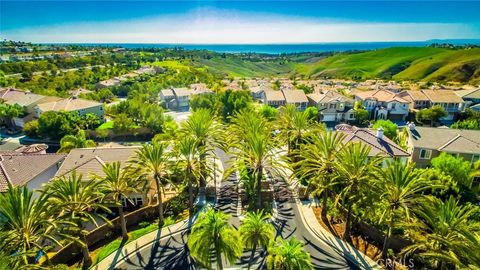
(207, 26)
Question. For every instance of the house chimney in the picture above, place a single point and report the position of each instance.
(380, 133)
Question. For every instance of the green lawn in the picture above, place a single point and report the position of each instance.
(111, 247)
(106, 125)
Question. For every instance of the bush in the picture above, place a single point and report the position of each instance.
(31, 129)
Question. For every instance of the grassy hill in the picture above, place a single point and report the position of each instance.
(420, 63)
(237, 67)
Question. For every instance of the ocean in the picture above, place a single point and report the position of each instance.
(289, 48)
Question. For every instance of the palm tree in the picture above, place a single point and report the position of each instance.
(317, 162)
(77, 201)
(69, 142)
(446, 233)
(254, 147)
(27, 223)
(204, 127)
(212, 232)
(354, 169)
(288, 254)
(118, 184)
(401, 189)
(188, 161)
(255, 231)
(153, 162)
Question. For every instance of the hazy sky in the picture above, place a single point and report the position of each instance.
(205, 22)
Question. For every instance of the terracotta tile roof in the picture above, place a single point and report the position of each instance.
(68, 104)
(295, 96)
(89, 161)
(442, 96)
(382, 147)
(328, 96)
(446, 139)
(273, 95)
(417, 95)
(18, 169)
(471, 93)
(22, 98)
(381, 95)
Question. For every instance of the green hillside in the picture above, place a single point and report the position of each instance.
(237, 67)
(425, 63)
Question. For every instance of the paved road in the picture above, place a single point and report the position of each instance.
(288, 223)
(172, 252)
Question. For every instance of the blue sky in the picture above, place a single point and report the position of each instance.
(237, 22)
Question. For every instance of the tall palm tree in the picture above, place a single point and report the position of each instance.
(188, 162)
(254, 147)
(446, 233)
(27, 222)
(288, 254)
(317, 162)
(213, 233)
(354, 170)
(69, 142)
(77, 201)
(153, 162)
(204, 127)
(400, 188)
(256, 230)
(118, 184)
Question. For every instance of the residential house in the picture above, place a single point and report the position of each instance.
(426, 143)
(182, 96)
(296, 98)
(448, 100)
(274, 98)
(379, 144)
(471, 97)
(108, 83)
(88, 162)
(72, 104)
(200, 89)
(25, 167)
(25, 99)
(332, 106)
(418, 100)
(168, 98)
(383, 104)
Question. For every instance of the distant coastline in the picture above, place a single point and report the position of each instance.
(287, 48)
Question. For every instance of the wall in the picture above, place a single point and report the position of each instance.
(37, 182)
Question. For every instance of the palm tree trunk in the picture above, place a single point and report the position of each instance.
(252, 255)
(159, 202)
(123, 224)
(87, 261)
(203, 174)
(259, 187)
(346, 234)
(324, 205)
(386, 242)
(219, 259)
(190, 192)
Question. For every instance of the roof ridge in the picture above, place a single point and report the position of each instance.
(459, 135)
(4, 171)
(76, 167)
(387, 140)
(354, 133)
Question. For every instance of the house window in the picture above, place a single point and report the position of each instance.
(475, 158)
(332, 106)
(425, 153)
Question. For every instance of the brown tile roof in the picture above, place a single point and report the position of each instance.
(382, 147)
(471, 93)
(295, 96)
(273, 95)
(446, 139)
(328, 96)
(22, 98)
(417, 95)
(442, 96)
(19, 169)
(87, 161)
(68, 104)
(381, 95)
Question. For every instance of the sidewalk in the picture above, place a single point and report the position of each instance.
(311, 222)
